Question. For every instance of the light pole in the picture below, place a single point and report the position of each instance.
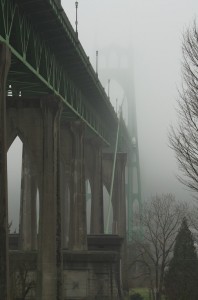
(76, 4)
(108, 86)
(97, 62)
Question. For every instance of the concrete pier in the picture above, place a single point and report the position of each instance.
(78, 231)
(28, 211)
(93, 165)
(5, 60)
(49, 190)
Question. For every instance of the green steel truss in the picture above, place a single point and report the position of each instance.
(36, 69)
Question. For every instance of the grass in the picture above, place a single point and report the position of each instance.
(144, 292)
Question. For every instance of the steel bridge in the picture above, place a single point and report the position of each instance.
(47, 57)
(51, 98)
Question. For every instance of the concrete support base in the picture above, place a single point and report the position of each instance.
(88, 275)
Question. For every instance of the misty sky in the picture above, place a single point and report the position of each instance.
(152, 29)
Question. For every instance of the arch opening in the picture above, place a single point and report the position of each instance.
(107, 211)
(14, 166)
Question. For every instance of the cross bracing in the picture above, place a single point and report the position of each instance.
(48, 58)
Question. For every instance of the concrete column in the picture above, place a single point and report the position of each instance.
(5, 59)
(28, 214)
(65, 218)
(78, 230)
(97, 216)
(66, 158)
(65, 209)
(64, 206)
(49, 253)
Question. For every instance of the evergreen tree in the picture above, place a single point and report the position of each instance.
(181, 280)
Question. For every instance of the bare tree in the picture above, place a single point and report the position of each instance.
(22, 281)
(191, 215)
(161, 220)
(184, 139)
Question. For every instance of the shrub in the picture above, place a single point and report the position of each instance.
(136, 296)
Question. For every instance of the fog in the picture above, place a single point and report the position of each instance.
(152, 30)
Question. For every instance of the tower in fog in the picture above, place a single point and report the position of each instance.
(116, 72)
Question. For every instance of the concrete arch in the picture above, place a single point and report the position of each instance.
(25, 122)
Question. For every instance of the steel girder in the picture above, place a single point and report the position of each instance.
(36, 69)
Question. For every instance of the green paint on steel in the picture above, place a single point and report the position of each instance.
(133, 164)
(35, 61)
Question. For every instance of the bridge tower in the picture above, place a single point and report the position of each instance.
(115, 63)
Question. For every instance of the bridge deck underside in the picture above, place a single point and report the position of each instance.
(47, 58)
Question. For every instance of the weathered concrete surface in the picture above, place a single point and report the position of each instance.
(78, 228)
(36, 121)
(93, 274)
(49, 194)
(23, 266)
(5, 59)
(88, 275)
(28, 214)
(66, 156)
